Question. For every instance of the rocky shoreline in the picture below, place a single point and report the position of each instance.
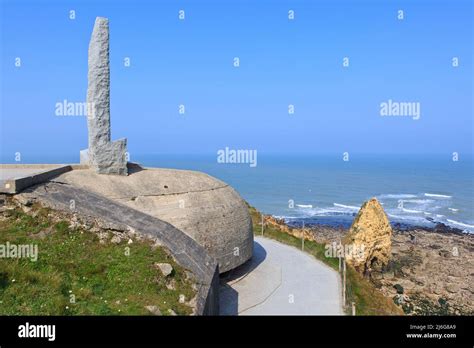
(430, 270)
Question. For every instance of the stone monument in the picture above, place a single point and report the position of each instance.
(103, 155)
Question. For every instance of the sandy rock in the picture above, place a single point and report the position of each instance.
(371, 230)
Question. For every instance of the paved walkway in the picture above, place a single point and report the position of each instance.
(281, 280)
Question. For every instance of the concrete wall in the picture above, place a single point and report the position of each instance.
(14, 177)
(205, 208)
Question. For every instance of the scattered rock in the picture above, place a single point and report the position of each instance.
(23, 200)
(165, 268)
(399, 288)
(8, 212)
(452, 288)
(172, 312)
(116, 239)
(171, 285)
(107, 225)
(398, 299)
(153, 310)
(26, 209)
(444, 253)
(74, 224)
(103, 235)
(97, 230)
(41, 234)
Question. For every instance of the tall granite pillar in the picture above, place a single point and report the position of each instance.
(104, 156)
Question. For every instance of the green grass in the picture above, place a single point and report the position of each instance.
(73, 264)
(369, 301)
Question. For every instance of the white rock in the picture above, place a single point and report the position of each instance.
(165, 268)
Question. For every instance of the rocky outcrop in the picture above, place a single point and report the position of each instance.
(298, 232)
(370, 234)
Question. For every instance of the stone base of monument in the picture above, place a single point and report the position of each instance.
(110, 159)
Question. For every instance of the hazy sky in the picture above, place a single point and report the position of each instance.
(282, 62)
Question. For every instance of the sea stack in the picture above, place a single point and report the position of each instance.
(371, 232)
(104, 156)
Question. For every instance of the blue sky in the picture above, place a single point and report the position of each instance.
(283, 62)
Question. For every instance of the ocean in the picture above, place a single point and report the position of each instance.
(415, 190)
(323, 189)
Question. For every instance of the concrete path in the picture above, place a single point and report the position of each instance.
(281, 280)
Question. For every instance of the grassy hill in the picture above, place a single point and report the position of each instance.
(77, 274)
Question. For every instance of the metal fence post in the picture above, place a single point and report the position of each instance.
(344, 283)
(302, 238)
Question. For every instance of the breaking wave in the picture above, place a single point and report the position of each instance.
(352, 207)
(422, 209)
(397, 195)
(437, 195)
(304, 205)
(413, 211)
(454, 222)
(418, 201)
